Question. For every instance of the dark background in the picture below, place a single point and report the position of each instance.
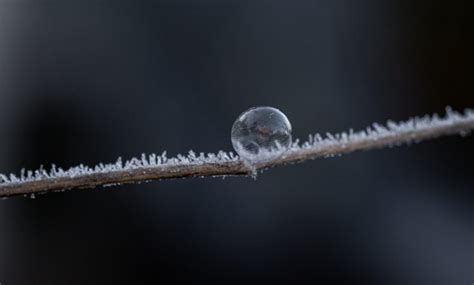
(88, 81)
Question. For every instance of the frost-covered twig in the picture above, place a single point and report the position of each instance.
(157, 167)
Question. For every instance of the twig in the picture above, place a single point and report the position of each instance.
(157, 167)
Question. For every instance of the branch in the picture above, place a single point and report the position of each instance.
(157, 167)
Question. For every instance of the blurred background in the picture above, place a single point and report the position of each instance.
(88, 81)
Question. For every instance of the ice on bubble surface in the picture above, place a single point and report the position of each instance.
(261, 133)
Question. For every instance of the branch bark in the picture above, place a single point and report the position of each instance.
(134, 171)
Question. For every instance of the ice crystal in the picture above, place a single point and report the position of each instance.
(315, 144)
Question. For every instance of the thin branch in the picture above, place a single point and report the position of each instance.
(157, 167)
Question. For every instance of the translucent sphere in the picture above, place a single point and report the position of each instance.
(261, 133)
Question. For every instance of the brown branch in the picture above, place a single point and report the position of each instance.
(157, 168)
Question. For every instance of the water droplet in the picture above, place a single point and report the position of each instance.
(261, 134)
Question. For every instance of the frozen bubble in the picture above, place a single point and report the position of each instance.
(261, 133)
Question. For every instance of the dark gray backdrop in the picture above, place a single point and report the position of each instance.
(88, 81)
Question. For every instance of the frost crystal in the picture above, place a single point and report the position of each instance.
(270, 130)
(261, 133)
(150, 161)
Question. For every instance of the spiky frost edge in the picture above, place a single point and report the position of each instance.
(377, 132)
(412, 130)
(145, 161)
